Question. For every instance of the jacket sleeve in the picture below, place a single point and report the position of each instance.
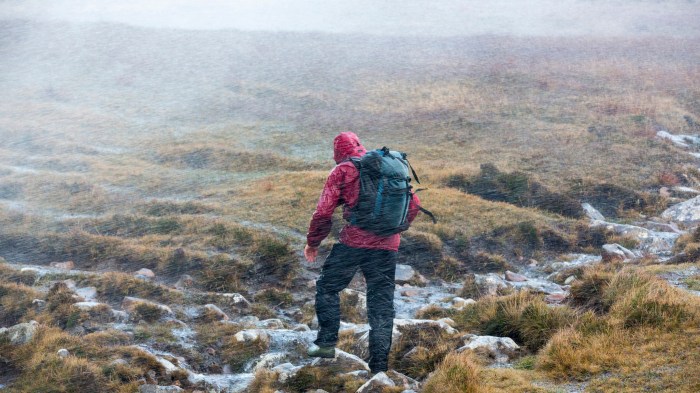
(413, 209)
(322, 219)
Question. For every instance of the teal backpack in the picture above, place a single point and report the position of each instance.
(385, 192)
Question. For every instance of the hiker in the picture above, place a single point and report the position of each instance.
(358, 248)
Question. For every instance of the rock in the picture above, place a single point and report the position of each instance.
(215, 311)
(490, 283)
(687, 212)
(68, 265)
(410, 292)
(269, 360)
(592, 212)
(533, 263)
(87, 293)
(119, 362)
(569, 280)
(129, 304)
(680, 140)
(159, 389)
(404, 274)
(145, 273)
(167, 365)
(611, 254)
(555, 298)
(70, 284)
(302, 328)
(649, 241)
(63, 353)
(39, 304)
(401, 380)
(185, 281)
(87, 306)
(30, 270)
(498, 348)
(250, 335)
(273, 323)
(285, 371)
(343, 362)
(376, 384)
(511, 276)
(459, 303)
(21, 333)
(120, 316)
(237, 300)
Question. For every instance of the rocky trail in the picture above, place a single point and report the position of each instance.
(286, 340)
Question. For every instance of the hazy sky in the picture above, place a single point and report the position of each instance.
(403, 17)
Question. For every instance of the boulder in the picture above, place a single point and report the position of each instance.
(343, 362)
(511, 276)
(285, 371)
(87, 293)
(168, 366)
(63, 353)
(87, 306)
(269, 360)
(490, 283)
(569, 280)
(376, 384)
(237, 300)
(21, 333)
(401, 380)
(68, 265)
(145, 273)
(501, 349)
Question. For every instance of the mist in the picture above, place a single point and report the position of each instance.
(392, 17)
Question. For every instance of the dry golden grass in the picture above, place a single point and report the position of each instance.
(457, 373)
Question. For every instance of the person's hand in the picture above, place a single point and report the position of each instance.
(310, 253)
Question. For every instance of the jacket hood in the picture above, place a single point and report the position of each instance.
(347, 145)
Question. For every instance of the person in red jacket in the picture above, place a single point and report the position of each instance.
(374, 255)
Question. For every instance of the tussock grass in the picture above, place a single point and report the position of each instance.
(16, 303)
(310, 378)
(458, 372)
(522, 316)
(113, 286)
(418, 351)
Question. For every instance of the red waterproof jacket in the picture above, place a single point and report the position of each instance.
(343, 188)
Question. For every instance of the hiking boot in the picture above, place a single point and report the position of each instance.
(315, 351)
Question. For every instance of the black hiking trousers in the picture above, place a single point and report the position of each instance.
(378, 267)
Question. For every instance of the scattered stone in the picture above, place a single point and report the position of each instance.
(533, 263)
(145, 274)
(250, 335)
(490, 283)
(273, 323)
(19, 334)
(129, 304)
(410, 292)
(159, 389)
(404, 274)
(167, 365)
(120, 316)
(285, 371)
(237, 300)
(402, 380)
(63, 353)
(459, 303)
(687, 212)
(569, 280)
(555, 298)
(501, 349)
(39, 304)
(343, 362)
(213, 310)
(376, 384)
(269, 360)
(68, 265)
(511, 276)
